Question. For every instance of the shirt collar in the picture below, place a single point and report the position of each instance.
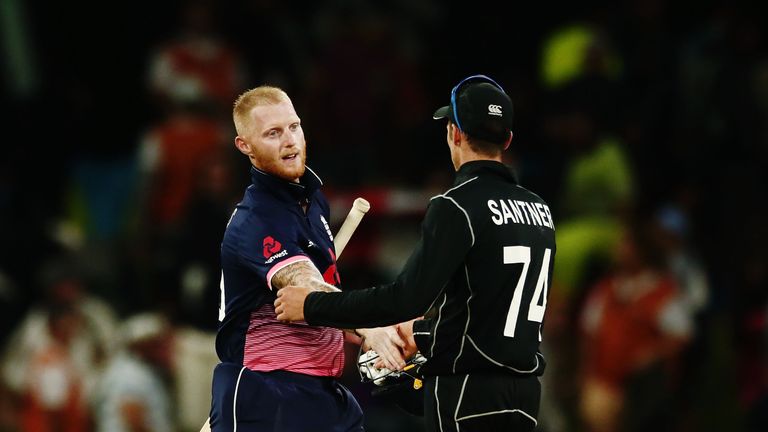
(474, 168)
(288, 190)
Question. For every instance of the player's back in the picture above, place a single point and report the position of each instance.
(496, 302)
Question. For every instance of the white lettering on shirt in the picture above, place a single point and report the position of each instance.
(520, 212)
(494, 208)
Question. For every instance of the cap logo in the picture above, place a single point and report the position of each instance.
(494, 110)
(458, 86)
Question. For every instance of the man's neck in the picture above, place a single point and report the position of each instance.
(471, 156)
(296, 180)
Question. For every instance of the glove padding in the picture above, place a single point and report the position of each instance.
(401, 388)
(368, 371)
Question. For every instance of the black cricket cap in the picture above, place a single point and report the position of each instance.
(480, 108)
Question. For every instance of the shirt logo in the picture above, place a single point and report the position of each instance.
(494, 110)
(271, 246)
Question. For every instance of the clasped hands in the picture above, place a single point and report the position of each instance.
(393, 344)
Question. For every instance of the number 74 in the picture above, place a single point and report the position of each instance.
(518, 255)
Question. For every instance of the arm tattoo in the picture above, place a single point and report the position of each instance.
(301, 273)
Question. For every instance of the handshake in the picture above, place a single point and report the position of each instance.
(388, 352)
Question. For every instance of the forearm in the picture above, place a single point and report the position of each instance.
(436, 257)
(372, 307)
(415, 289)
(302, 273)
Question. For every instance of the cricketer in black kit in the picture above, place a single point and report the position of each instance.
(479, 276)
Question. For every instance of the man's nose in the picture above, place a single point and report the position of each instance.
(289, 140)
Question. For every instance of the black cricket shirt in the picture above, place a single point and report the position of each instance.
(481, 274)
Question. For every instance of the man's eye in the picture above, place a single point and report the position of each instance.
(272, 134)
(294, 127)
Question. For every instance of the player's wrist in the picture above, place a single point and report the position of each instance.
(357, 332)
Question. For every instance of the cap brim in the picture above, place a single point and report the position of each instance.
(441, 113)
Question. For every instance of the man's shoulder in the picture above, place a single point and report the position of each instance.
(531, 196)
(457, 193)
(482, 188)
(476, 196)
(259, 203)
(319, 197)
(254, 216)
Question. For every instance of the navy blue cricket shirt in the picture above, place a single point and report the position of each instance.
(269, 230)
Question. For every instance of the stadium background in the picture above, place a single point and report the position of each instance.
(118, 172)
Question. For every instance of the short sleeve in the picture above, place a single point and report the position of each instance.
(271, 246)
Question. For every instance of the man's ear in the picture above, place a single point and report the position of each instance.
(456, 134)
(242, 146)
(509, 140)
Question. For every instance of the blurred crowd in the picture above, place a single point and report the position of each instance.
(643, 123)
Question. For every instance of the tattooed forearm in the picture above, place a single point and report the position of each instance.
(302, 273)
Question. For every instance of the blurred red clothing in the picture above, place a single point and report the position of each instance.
(624, 324)
(53, 400)
(174, 155)
(199, 68)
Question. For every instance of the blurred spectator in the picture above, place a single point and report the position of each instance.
(194, 359)
(635, 323)
(174, 159)
(575, 51)
(54, 356)
(193, 76)
(197, 65)
(53, 390)
(133, 394)
(672, 234)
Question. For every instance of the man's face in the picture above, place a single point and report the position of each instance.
(275, 141)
